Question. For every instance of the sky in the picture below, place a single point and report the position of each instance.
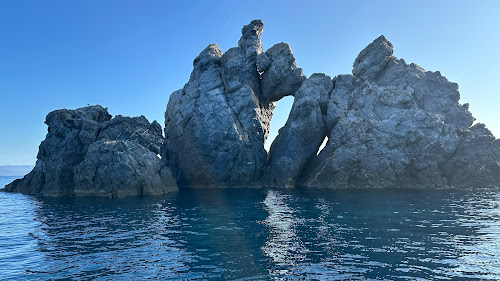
(130, 55)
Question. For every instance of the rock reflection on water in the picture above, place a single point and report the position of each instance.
(254, 235)
(283, 246)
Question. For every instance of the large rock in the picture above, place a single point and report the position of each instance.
(389, 124)
(393, 124)
(216, 126)
(299, 140)
(70, 132)
(86, 153)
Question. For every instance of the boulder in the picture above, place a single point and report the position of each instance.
(86, 153)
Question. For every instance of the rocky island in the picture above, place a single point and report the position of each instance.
(389, 124)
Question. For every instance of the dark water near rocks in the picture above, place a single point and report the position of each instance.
(254, 235)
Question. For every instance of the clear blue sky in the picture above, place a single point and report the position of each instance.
(130, 55)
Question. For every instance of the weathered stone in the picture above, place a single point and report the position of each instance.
(133, 128)
(121, 168)
(476, 162)
(299, 140)
(70, 132)
(389, 124)
(86, 153)
(216, 126)
(281, 77)
(395, 125)
(373, 58)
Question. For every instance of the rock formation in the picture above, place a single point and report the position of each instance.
(86, 153)
(216, 126)
(298, 141)
(392, 124)
(389, 124)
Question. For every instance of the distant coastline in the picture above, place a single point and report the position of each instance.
(15, 170)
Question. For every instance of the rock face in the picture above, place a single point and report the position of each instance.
(388, 124)
(298, 141)
(216, 126)
(86, 153)
(392, 124)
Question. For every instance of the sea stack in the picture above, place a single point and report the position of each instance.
(389, 124)
(88, 153)
(216, 126)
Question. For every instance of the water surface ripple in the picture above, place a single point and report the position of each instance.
(254, 235)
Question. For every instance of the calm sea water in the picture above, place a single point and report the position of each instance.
(254, 235)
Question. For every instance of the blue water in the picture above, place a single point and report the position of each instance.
(254, 235)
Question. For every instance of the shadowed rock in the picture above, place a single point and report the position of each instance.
(300, 138)
(216, 126)
(86, 153)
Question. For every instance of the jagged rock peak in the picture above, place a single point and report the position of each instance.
(210, 54)
(250, 35)
(95, 113)
(373, 58)
(254, 28)
(393, 124)
(216, 126)
(208, 58)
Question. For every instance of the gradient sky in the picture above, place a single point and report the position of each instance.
(130, 55)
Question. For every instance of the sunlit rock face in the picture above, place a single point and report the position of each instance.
(86, 153)
(216, 126)
(393, 124)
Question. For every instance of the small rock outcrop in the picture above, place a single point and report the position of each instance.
(216, 125)
(393, 124)
(86, 153)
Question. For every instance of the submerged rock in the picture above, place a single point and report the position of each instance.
(86, 153)
(216, 126)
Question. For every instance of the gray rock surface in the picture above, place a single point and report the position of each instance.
(476, 162)
(86, 153)
(299, 140)
(280, 75)
(392, 124)
(216, 125)
(389, 124)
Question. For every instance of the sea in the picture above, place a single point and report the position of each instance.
(254, 234)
